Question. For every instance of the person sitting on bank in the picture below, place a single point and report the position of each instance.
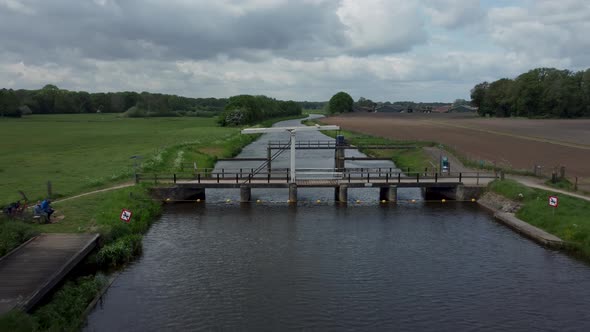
(38, 211)
(46, 207)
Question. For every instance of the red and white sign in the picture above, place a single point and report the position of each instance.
(553, 201)
(126, 215)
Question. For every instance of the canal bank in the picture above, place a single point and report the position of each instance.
(268, 266)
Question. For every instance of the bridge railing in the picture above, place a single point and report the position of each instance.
(247, 175)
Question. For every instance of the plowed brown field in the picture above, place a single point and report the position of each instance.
(516, 143)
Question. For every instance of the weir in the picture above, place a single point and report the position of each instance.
(190, 187)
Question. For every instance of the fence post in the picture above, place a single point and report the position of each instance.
(136, 178)
(399, 177)
(217, 177)
(435, 177)
(477, 178)
(174, 178)
(368, 177)
(268, 177)
(348, 177)
(417, 177)
(237, 179)
(386, 177)
(576, 184)
(460, 177)
(199, 177)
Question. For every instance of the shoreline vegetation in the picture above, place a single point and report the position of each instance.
(121, 242)
(99, 213)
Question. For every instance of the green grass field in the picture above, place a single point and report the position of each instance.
(81, 152)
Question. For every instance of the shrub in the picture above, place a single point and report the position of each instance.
(119, 252)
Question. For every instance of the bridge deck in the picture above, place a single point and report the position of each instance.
(357, 182)
(33, 269)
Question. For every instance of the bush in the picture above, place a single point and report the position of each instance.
(64, 312)
(135, 112)
(119, 252)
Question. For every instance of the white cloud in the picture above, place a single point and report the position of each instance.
(381, 24)
(17, 6)
(546, 29)
(454, 13)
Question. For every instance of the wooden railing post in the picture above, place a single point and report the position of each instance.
(237, 179)
(460, 177)
(435, 177)
(174, 178)
(399, 177)
(386, 177)
(199, 177)
(217, 177)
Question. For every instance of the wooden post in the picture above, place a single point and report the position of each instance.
(136, 178)
(199, 177)
(174, 178)
(217, 177)
(399, 177)
(435, 177)
(237, 179)
(562, 172)
(576, 184)
(460, 177)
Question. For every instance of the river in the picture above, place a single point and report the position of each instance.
(323, 266)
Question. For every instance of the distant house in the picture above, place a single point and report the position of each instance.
(463, 109)
(389, 108)
(442, 109)
(364, 109)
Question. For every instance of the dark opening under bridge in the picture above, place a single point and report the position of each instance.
(192, 186)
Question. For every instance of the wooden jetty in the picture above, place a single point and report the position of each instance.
(32, 270)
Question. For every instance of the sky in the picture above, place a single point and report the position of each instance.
(384, 50)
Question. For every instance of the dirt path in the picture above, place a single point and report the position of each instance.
(456, 165)
(120, 186)
(538, 183)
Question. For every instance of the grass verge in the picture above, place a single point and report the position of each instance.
(569, 221)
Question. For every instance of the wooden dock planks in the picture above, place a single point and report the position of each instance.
(33, 269)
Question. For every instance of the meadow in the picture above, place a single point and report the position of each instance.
(82, 152)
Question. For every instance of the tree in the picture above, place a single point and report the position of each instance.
(340, 103)
(9, 103)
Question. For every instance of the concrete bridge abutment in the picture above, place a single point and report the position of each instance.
(388, 194)
(245, 194)
(292, 193)
(341, 193)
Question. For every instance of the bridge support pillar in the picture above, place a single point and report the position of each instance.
(339, 159)
(292, 192)
(341, 194)
(460, 193)
(388, 194)
(245, 194)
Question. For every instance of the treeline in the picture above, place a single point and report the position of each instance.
(52, 100)
(247, 109)
(539, 93)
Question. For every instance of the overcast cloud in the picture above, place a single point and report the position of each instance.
(428, 50)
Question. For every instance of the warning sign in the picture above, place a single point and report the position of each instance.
(126, 215)
(553, 201)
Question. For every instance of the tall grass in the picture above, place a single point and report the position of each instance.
(13, 233)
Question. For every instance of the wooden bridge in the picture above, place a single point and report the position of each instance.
(31, 271)
(193, 185)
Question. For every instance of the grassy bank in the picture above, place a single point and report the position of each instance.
(64, 312)
(569, 221)
(80, 152)
(414, 159)
(121, 242)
